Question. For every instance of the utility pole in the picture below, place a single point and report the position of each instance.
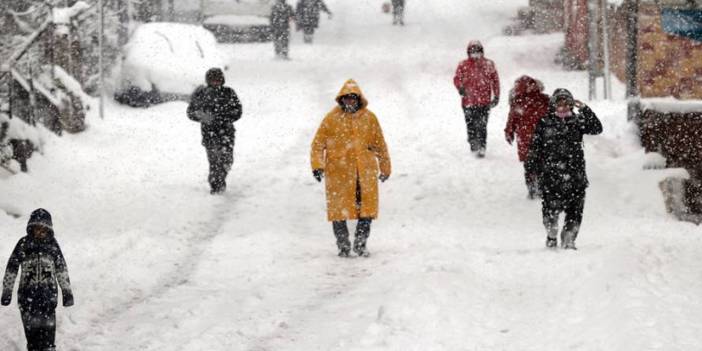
(605, 49)
(632, 89)
(593, 49)
(101, 46)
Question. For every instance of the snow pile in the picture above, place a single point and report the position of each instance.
(259, 8)
(458, 259)
(238, 21)
(655, 160)
(169, 57)
(62, 16)
(671, 105)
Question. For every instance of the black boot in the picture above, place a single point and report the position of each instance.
(341, 232)
(362, 234)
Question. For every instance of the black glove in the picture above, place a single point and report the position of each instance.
(67, 299)
(494, 102)
(6, 299)
(461, 92)
(318, 174)
(383, 177)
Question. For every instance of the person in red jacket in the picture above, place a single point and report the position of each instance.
(479, 86)
(527, 105)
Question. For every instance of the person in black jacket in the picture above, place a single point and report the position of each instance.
(308, 16)
(398, 12)
(43, 265)
(281, 14)
(556, 156)
(216, 108)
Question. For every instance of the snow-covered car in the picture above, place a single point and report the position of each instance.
(166, 61)
(238, 20)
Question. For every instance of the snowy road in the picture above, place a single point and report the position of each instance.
(458, 253)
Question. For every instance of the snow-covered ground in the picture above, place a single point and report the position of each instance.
(458, 253)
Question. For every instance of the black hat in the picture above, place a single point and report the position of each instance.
(40, 218)
(214, 74)
(562, 94)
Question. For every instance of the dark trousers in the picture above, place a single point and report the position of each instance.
(341, 230)
(398, 12)
(281, 41)
(308, 32)
(476, 124)
(572, 204)
(39, 328)
(532, 183)
(221, 158)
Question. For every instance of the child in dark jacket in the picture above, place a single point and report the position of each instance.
(43, 266)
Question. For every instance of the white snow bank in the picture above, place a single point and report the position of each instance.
(239, 7)
(170, 57)
(654, 160)
(234, 20)
(671, 105)
(62, 16)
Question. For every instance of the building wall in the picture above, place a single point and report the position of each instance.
(668, 65)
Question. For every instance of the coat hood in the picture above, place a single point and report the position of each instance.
(351, 87)
(474, 45)
(525, 85)
(40, 218)
(214, 74)
(561, 93)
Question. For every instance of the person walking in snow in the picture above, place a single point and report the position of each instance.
(281, 15)
(398, 12)
(556, 157)
(527, 105)
(308, 12)
(43, 266)
(350, 153)
(216, 107)
(478, 84)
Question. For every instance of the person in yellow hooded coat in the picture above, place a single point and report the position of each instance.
(350, 153)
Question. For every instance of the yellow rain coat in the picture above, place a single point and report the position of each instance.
(351, 150)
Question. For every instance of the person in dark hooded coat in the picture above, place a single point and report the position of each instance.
(398, 12)
(281, 15)
(307, 12)
(43, 266)
(556, 156)
(216, 107)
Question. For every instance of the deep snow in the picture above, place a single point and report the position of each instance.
(458, 253)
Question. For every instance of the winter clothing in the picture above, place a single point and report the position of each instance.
(307, 12)
(43, 268)
(477, 81)
(341, 232)
(216, 108)
(350, 148)
(478, 84)
(398, 12)
(476, 124)
(556, 156)
(281, 14)
(528, 104)
(573, 207)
